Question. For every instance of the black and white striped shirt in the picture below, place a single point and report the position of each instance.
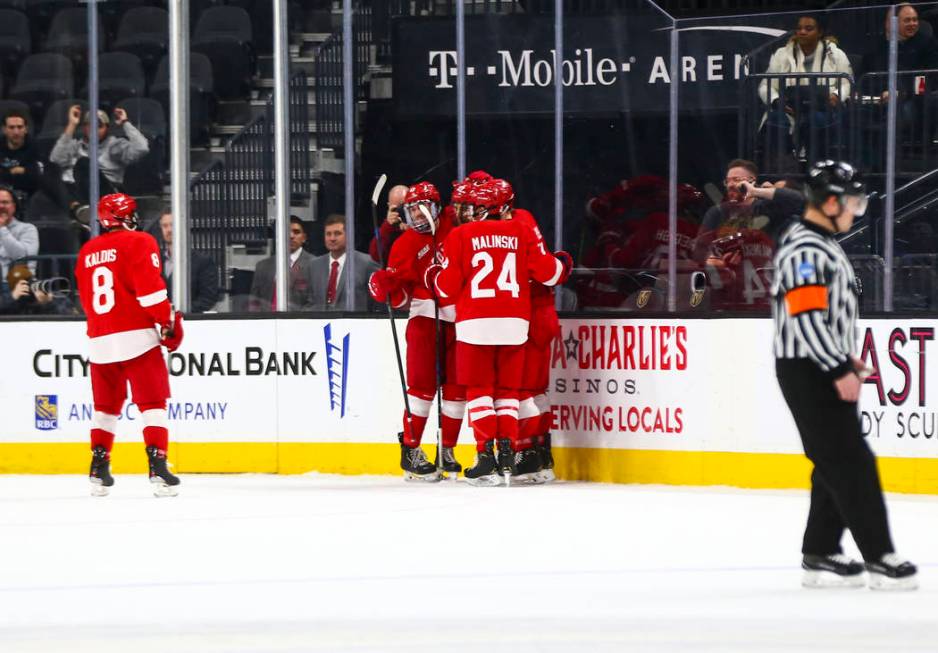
(814, 299)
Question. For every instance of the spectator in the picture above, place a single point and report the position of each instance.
(23, 299)
(392, 226)
(17, 239)
(115, 153)
(203, 275)
(737, 238)
(760, 210)
(328, 280)
(916, 51)
(20, 167)
(805, 105)
(263, 290)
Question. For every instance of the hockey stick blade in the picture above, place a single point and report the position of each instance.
(382, 180)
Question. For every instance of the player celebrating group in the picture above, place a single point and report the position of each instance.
(124, 297)
(402, 282)
(487, 265)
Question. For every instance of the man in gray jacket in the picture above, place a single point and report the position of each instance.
(115, 153)
(17, 239)
(263, 291)
(329, 280)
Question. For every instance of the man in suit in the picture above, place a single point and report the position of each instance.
(263, 295)
(203, 275)
(329, 281)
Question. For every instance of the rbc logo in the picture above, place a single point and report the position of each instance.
(337, 366)
(47, 412)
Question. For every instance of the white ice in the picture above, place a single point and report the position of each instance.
(247, 563)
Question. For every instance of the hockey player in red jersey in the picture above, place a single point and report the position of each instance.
(129, 316)
(402, 281)
(486, 267)
(533, 455)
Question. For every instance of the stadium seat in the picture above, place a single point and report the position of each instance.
(42, 79)
(224, 35)
(16, 5)
(120, 75)
(112, 11)
(68, 35)
(56, 117)
(15, 39)
(144, 31)
(201, 93)
(15, 105)
(146, 175)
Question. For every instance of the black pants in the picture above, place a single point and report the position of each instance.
(845, 488)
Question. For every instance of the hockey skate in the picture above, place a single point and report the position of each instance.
(449, 466)
(100, 474)
(484, 473)
(892, 572)
(834, 570)
(546, 475)
(527, 466)
(506, 461)
(164, 483)
(416, 466)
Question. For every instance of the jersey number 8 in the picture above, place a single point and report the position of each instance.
(102, 287)
(507, 277)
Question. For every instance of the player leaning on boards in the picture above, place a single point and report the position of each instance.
(124, 296)
(815, 311)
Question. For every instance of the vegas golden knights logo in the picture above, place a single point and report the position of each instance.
(696, 298)
(643, 298)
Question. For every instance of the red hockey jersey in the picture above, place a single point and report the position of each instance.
(410, 256)
(122, 293)
(541, 295)
(486, 269)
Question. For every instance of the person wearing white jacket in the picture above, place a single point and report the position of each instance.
(806, 103)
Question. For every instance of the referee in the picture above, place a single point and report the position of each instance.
(815, 310)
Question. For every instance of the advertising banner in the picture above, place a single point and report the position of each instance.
(609, 64)
(681, 385)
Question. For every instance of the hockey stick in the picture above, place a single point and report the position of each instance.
(379, 186)
(439, 353)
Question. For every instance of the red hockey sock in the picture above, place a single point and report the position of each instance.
(451, 428)
(102, 438)
(507, 410)
(413, 429)
(156, 436)
(482, 420)
(529, 420)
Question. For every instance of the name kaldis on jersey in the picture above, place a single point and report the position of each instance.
(97, 258)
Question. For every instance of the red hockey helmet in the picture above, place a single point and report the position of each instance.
(504, 191)
(422, 191)
(422, 207)
(117, 210)
(486, 202)
(461, 192)
(478, 177)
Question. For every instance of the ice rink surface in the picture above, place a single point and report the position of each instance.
(249, 563)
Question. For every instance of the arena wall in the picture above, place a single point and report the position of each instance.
(634, 401)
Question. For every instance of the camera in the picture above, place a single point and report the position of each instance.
(54, 286)
(729, 244)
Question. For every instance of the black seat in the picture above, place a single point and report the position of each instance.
(224, 35)
(42, 79)
(16, 5)
(15, 105)
(68, 35)
(112, 12)
(15, 39)
(120, 75)
(53, 124)
(146, 175)
(144, 31)
(201, 93)
(58, 234)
